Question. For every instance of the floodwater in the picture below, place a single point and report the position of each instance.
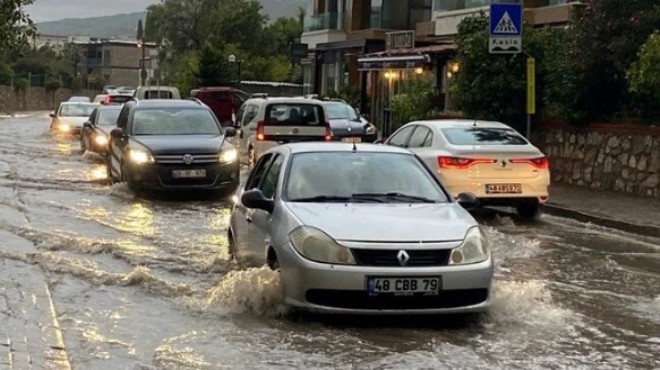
(146, 284)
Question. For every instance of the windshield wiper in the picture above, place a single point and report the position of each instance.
(396, 196)
(334, 198)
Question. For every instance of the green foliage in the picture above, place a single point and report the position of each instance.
(6, 74)
(414, 101)
(604, 44)
(348, 93)
(213, 68)
(15, 24)
(644, 74)
(21, 84)
(53, 84)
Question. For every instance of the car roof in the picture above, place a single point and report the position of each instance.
(157, 88)
(77, 103)
(285, 100)
(217, 88)
(316, 147)
(462, 123)
(109, 107)
(164, 103)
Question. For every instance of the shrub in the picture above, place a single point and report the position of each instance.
(348, 93)
(6, 74)
(413, 103)
(21, 84)
(53, 84)
(644, 75)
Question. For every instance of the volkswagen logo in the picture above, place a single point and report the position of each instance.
(295, 131)
(403, 258)
(188, 159)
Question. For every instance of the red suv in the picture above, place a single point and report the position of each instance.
(223, 101)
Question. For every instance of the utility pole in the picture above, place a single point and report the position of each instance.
(143, 61)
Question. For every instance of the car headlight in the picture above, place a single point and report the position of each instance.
(473, 250)
(318, 246)
(101, 140)
(140, 157)
(229, 155)
(64, 127)
(371, 129)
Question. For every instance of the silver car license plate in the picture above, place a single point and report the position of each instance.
(403, 285)
(188, 174)
(352, 139)
(503, 188)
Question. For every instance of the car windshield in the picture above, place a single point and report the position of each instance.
(174, 121)
(76, 110)
(80, 99)
(107, 117)
(291, 114)
(158, 94)
(360, 176)
(483, 136)
(337, 110)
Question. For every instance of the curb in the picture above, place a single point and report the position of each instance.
(560, 211)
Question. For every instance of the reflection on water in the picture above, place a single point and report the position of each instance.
(96, 172)
(138, 219)
(64, 148)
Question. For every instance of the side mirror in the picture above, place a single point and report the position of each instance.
(87, 124)
(379, 141)
(52, 115)
(117, 133)
(468, 201)
(255, 199)
(230, 132)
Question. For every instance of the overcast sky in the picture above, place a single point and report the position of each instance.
(50, 10)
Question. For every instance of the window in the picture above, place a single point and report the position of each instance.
(220, 96)
(240, 115)
(483, 136)
(250, 113)
(429, 140)
(122, 121)
(158, 94)
(419, 137)
(107, 117)
(288, 114)
(76, 110)
(258, 173)
(269, 184)
(240, 98)
(340, 110)
(174, 121)
(400, 138)
(450, 5)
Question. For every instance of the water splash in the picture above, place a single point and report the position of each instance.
(527, 303)
(257, 290)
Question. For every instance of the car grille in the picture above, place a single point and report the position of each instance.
(178, 158)
(380, 257)
(357, 299)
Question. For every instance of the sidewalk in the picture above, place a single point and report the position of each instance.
(635, 214)
(30, 337)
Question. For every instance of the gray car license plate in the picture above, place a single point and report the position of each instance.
(188, 174)
(403, 285)
(503, 188)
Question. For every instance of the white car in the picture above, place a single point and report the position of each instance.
(362, 229)
(69, 118)
(264, 123)
(488, 159)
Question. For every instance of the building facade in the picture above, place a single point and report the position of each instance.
(375, 44)
(117, 62)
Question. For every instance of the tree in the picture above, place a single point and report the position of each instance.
(213, 68)
(644, 75)
(604, 44)
(15, 25)
(6, 74)
(52, 85)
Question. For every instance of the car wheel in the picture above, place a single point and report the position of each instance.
(529, 211)
(272, 260)
(231, 247)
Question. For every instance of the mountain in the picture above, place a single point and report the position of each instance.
(123, 26)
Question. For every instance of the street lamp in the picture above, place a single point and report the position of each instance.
(232, 60)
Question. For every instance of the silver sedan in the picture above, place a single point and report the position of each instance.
(362, 229)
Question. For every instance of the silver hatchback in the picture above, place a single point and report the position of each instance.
(362, 229)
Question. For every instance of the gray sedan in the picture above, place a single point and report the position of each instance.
(362, 229)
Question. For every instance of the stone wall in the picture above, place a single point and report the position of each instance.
(620, 158)
(35, 98)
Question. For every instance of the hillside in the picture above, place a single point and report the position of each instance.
(125, 25)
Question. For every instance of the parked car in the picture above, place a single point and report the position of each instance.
(347, 124)
(98, 99)
(96, 131)
(303, 211)
(109, 89)
(157, 92)
(264, 122)
(125, 90)
(489, 159)
(79, 99)
(116, 99)
(172, 145)
(69, 117)
(224, 101)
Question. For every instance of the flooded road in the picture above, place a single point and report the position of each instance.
(146, 284)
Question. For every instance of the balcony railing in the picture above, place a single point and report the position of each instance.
(325, 21)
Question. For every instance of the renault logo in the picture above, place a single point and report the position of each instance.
(403, 258)
(503, 163)
(188, 159)
(296, 131)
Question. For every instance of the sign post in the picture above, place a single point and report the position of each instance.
(531, 92)
(505, 30)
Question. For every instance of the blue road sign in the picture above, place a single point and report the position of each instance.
(505, 20)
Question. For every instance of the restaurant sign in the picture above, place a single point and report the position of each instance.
(400, 40)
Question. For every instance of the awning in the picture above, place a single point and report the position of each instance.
(393, 62)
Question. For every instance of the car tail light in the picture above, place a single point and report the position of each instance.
(260, 131)
(457, 163)
(107, 100)
(540, 163)
(328, 132)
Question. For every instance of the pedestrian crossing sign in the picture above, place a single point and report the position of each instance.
(505, 29)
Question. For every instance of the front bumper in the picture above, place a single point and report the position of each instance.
(157, 176)
(342, 289)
